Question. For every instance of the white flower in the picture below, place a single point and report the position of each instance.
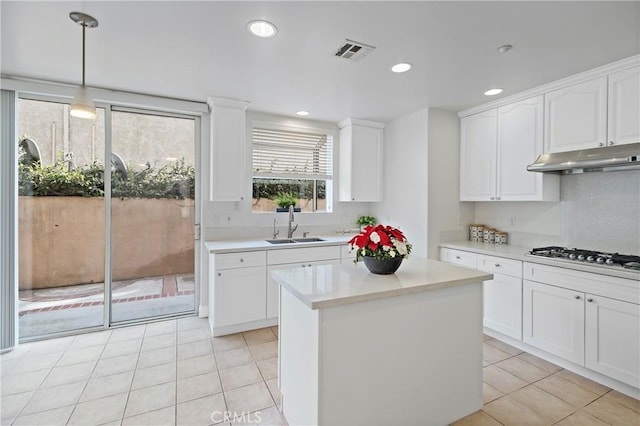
(386, 248)
(392, 253)
(401, 246)
(364, 252)
(374, 237)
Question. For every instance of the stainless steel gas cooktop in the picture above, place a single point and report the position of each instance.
(594, 257)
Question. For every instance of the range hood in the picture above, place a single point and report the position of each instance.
(606, 159)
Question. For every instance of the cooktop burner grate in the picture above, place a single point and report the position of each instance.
(590, 256)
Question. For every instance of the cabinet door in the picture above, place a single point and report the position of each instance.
(228, 150)
(273, 290)
(520, 141)
(575, 116)
(624, 107)
(239, 295)
(612, 338)
(478, 139)
(553, 320)
(360, 161)
(503, 305)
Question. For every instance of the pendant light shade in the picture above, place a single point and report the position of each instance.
(82, 105)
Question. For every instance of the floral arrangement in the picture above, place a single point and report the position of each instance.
(380, 241)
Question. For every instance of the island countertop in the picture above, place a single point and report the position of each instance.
(326, 286)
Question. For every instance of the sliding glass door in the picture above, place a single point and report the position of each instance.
(152, 214)
(106, 214)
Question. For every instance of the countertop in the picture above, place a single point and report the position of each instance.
(235, 246)
(326, 286)
(520, 253)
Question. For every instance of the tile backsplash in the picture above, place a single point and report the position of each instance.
(597, 211)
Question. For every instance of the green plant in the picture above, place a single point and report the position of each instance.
(366, 220)
(175, 180)
(286, 199)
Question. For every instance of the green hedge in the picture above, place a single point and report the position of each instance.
(175, 180)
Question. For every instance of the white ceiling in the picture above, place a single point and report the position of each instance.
(193, 50)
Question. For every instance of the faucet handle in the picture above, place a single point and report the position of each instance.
(304, 234)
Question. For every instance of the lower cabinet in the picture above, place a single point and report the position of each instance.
(242, 295)
(503, 305)
(566, 318)
(553, 320)
(612, 338)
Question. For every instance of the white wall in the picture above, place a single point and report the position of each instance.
(404, 202)
(448, 217)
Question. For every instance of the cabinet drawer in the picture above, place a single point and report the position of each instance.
(307, 254)
(240, 260)
(459, 257)
(500, 265)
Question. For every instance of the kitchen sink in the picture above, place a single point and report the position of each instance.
(308, 240)
(295, 240)
(281, 241)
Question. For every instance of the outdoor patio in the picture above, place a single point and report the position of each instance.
(52, 310)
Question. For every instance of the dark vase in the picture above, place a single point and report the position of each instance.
(382, 266)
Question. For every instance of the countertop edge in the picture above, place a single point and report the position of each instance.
(512, 253)
(236, 246)
(324, 304)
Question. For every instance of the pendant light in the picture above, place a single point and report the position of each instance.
(82, 105)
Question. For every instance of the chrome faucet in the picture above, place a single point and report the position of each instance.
(291, 230)
(275, 231)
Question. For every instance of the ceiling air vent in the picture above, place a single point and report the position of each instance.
(354, 50)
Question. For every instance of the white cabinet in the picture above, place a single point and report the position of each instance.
(228, 150)
(238, 288)
(361, 154)
(478, 156)
(553, 320)
(612, 343)
(502, 295)
(586, 318)
(290, 258)
(576, 116)
(496, 148)
(624, 107)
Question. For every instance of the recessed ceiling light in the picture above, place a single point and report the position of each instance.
(303, 113)
(401, 67)
(262, 29)
(493, 92)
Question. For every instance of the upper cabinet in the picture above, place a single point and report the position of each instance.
(228, 149)
(361, 153)
(624, 107)
(575, 116)
(496, 147)
(600, 112)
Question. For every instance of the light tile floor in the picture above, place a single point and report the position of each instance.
(521, 389)
(173, 373)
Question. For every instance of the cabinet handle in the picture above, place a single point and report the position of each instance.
(497, 265)
(458, 257)
(497, 198)
(577, 297)
(241, 260)
(600, 144)
(492, 198)
(589, 300)
(611, 143)
(353, 199)
(219, 274)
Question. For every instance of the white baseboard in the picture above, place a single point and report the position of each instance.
(203, 311)
(237, 328)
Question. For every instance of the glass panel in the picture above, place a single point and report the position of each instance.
(309, 195)
(60, 219)
(152, 211)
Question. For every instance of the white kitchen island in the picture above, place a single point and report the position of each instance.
(364, 349)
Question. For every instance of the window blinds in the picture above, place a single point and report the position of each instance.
(291, 154)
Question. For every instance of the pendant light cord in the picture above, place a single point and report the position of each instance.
(84, 28)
